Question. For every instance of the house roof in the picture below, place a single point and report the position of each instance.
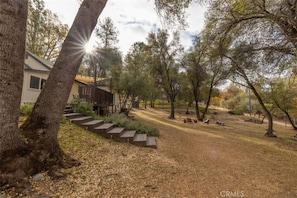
(86, 79)
(46, 65)
(89, 79)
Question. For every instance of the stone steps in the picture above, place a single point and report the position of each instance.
(116, 132)
(80, 120)
(103, 129)
(68, 109)
(127, 136)
(92, 124)
(151, 142)
(72, 115)
(109, 130)
(140, 139)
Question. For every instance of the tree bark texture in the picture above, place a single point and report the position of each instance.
(290, 120)
(172, 111)
(196, 93)
(208, 100)
(13, 15)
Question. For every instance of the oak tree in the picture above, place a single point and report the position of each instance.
(45, 32)
(165, 63)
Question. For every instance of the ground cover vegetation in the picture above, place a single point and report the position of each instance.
(192, 160)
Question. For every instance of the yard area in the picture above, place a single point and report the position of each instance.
(192, 160)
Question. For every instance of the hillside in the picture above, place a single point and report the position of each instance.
(192, 160)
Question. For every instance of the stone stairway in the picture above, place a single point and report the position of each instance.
(109, 130)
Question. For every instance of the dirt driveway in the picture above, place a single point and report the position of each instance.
(216, 161)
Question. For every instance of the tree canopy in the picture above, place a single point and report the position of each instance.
(45, 32)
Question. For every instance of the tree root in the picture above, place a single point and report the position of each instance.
(270, 135)
(17, 166)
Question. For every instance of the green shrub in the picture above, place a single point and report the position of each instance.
(236, 112)
(26, 108)
(63, 120)
(162, 103)
(202, 109)
(81, 106)
(129, 124)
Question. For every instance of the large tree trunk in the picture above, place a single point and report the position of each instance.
(286, 113)
(172, 111)
(152, 104)
(207, 102)
(197, 109)
(41, 128)
(196, 93)
(269, 132)
(13, 18)
(188, 106)
(13, 14)
(291, 120)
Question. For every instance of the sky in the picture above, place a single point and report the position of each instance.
(134, 19)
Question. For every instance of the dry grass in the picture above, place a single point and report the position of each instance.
(192, 160)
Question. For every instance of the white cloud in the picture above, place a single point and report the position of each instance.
(65, 9)
(195, 18)
(134, 19)
(186, 39)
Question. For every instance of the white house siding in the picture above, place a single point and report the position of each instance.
(29, 94)
(73, 92)
(40, 68)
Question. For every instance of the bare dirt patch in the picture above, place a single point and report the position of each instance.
(192, 160)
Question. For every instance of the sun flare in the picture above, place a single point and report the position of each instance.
(89, 47)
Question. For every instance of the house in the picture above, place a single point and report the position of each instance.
(36, 72)
(101, 95)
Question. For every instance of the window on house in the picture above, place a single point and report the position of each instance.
(42, 83)
(36, 82)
